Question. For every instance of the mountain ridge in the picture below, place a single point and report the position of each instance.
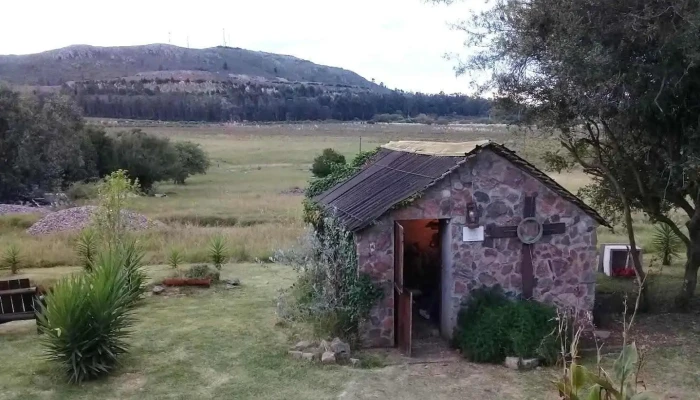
(86, 62)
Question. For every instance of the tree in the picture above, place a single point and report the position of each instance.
(323, 163)
(618, 82)
(225, 66)
(41, 145)
(148, 158)
(192, 160)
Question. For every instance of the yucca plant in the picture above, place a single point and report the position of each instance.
(217, 250)
(130, 256)
(666, 243)
(11, 259)
(86, 246)
(86, 318)
(175, 259)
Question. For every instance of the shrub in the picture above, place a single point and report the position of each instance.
(323, 164)
(86, 246)
(666, 243)
(491, 327)
(11, 258)
(423, 119)
(82, 191)
(217, 251)
(86, 318)
(387, 118)
(203, 271)
(329, 293)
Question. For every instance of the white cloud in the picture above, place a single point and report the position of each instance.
(398, 42)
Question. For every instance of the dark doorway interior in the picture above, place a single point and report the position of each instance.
(422, 277)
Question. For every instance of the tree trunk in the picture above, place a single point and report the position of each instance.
(636, 262)
(690, 278)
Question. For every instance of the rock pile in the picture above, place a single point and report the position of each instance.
(77, 218)
(335, 352)
(7, 209)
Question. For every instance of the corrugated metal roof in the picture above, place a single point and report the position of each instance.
(393, 176)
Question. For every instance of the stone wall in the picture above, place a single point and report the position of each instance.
(563, 265)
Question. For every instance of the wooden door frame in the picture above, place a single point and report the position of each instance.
(403, 299)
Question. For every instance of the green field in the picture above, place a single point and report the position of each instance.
(221, 344)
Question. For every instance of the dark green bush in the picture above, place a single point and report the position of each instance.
(491, 327)
(323, 164)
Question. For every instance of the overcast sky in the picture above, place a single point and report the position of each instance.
(398, 42)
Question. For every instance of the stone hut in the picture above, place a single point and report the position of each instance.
(433, 221)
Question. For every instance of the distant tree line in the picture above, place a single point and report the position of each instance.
(172, 100)
(45, 145)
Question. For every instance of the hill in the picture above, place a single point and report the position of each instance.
(86, 63)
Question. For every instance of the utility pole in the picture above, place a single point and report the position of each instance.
(224, 35)
(169, 38)
(188, 41)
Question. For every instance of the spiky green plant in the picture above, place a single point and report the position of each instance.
(130, 256)
(86, 246)
(86, 318)
(11, 258)
(217, 251)
(666, 243)
(175, 259)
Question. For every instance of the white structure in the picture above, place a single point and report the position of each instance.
(614, 256)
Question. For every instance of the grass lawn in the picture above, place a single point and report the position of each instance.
(218, 343)
(212, 343)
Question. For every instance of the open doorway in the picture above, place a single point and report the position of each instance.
(419, 303)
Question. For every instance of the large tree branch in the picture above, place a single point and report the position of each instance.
(683, 204)
(674, 227)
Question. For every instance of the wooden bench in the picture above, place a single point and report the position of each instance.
(17, 300)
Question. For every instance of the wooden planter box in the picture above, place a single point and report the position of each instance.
(187, 282)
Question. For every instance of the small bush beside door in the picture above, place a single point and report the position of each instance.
(491, 327)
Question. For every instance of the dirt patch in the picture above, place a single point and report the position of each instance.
(650, 330)
(453, 380)
(293, 191)
(130, 383)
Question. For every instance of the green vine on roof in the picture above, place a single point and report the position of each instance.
(313, 213)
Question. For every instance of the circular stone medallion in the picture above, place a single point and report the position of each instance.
(529, 230)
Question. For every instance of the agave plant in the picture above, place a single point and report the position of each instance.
(86, 317)
(666, 243)
(175, 259)
(87, 247)
(10, 259)
(217, 251)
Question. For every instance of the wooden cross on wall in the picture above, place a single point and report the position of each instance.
(529, 231)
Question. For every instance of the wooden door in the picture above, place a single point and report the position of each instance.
(405, 315)
(403, 299)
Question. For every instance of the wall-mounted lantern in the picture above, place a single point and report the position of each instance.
(472, 216)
